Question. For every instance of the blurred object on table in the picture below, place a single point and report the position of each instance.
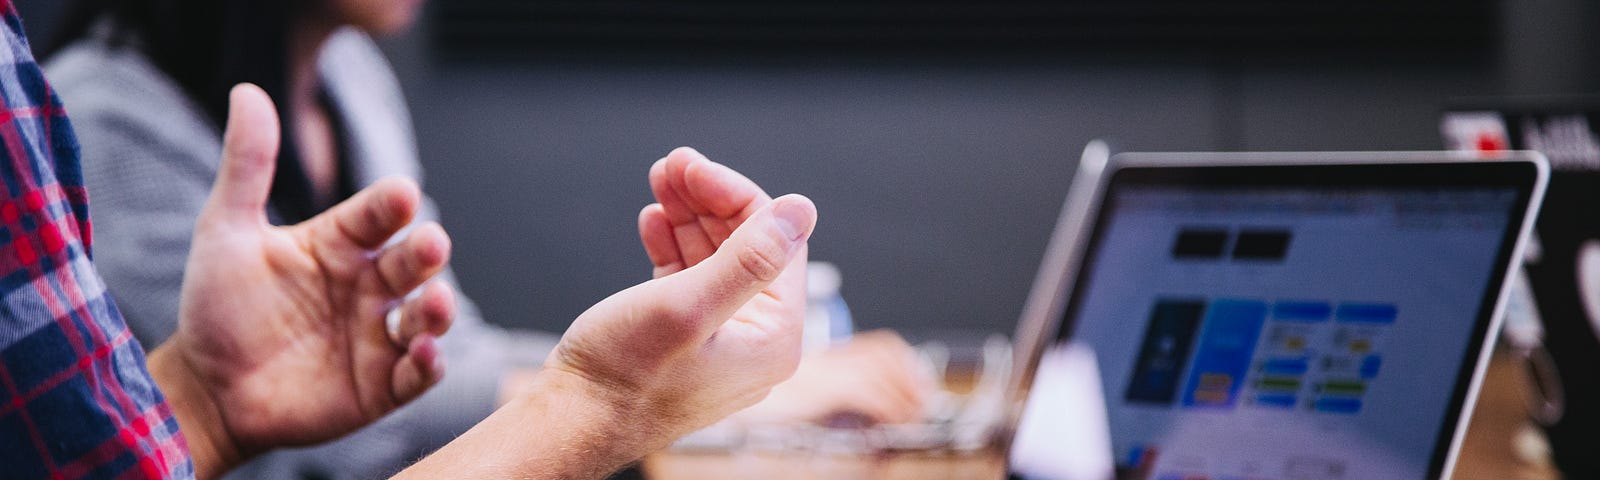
(953, 439)
(827, 316)
(1502, 441)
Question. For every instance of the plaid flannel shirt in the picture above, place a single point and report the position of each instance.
(76, 400)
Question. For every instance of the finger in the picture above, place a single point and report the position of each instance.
(723, 192)
(420, 368)
(902, 411)
(249, 156)
(666, 182)
(417, 258)
(753, 258)
(875, 407)
(678, 162)
(694, 244)
(367, 220)
(882, 408)
(677, 211)
(726, 197)
(900, 368)
(716, 229)
(900, 387)
(892, 370)
(431, 312)
(655, 232)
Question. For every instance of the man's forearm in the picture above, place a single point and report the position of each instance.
(566, 428)
(198, 418)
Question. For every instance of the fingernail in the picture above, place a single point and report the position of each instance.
(793, 218)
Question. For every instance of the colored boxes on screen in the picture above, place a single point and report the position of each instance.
(1287, 354)
(1164, 353)
(1353, 359)
(1224, 352)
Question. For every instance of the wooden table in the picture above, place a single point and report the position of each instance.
(820, 466)
(1490, 451)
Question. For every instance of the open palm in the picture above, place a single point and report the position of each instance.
(287, 324)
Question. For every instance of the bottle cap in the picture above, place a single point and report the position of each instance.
(822, 280)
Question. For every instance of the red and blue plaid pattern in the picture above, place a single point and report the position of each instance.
(75, 398)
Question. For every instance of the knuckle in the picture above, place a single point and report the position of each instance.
(373, 215)
(763, 260)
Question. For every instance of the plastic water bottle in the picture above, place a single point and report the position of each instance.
(827, 316)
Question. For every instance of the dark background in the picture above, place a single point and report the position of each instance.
(936, 137)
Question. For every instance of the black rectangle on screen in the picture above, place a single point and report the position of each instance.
(1261, 245)
(1164, 354)
(1200, 243)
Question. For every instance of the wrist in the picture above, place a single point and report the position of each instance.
(199, 419)
(564, 426)
(514, 384)
(610, 428)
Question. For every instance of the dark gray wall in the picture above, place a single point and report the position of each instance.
(937, 186)
(937, 181)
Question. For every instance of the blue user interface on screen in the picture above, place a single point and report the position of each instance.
(1285, 333)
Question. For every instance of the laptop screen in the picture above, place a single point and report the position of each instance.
(1289, 322)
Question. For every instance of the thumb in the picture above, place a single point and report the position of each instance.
(249, 155)
(750, 260)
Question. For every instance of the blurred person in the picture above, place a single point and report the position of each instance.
(283, 335)
(147, 85)
(151, 140)
(266, 312)
(283, 339)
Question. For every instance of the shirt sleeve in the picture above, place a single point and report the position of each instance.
(76, 400)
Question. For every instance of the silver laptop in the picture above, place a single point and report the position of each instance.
(1267, 315)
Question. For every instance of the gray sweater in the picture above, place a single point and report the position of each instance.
(149, 158)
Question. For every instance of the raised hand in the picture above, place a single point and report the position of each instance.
(282, 329)
(721, 323)
(700, 203)
(717, 328)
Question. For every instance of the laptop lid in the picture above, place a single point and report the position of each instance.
(1276, 315)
